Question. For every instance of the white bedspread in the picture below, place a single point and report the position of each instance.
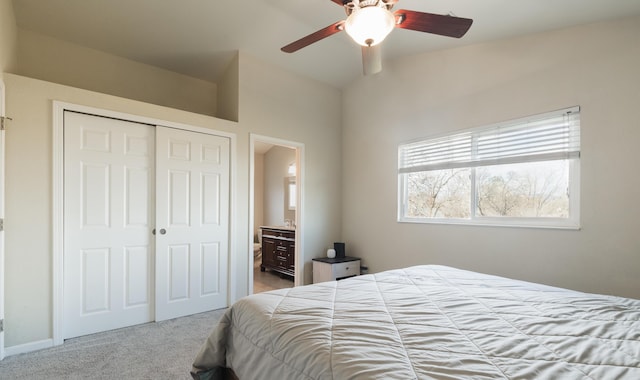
(426, 322)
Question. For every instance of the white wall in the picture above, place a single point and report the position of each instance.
(29, 176)
(54, 60)
(277, 104)
(28, 275)
(8, 38)
(594, 66)
(228, 96)
(276, 165)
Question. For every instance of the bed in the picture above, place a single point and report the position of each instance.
(424, 322)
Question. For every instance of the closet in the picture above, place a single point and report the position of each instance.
(146, 223)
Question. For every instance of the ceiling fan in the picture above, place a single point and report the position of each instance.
(370, 21)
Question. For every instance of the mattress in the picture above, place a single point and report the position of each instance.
(425, 322)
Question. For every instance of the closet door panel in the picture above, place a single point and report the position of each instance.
(192, 218)
(109, 204)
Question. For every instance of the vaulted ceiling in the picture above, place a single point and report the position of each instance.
(200, 37)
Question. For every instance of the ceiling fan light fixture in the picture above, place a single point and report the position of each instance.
(369, 25)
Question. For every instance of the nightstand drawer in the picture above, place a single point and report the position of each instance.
(347, 269)
(330, 269)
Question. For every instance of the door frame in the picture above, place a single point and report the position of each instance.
(57, 222)
(298, 278)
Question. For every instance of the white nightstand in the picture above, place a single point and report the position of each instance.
(326, 269)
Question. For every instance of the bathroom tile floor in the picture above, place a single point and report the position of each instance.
(265, 281)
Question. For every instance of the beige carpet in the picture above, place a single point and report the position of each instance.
(163, 350)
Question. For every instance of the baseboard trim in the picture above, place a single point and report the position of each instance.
(28, 347)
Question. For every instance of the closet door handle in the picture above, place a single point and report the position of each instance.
(163, 231)
(153, 231)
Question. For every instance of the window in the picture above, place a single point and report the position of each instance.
(519, 173)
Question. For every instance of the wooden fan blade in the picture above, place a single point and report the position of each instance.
(449, 26)
(371, 59)
(314, 37)
(339, 2)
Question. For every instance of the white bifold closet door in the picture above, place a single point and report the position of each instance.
(145, 223)
(192, 222)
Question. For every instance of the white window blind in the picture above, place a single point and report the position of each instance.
(550, 136)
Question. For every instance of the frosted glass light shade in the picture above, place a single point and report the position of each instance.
(370, 25)
(331, 253)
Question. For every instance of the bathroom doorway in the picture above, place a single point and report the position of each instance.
(276, 193)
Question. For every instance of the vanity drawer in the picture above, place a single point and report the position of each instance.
(278, 234)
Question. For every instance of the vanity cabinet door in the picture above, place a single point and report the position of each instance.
(268, 253)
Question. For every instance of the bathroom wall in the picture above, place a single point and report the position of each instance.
(276, 177)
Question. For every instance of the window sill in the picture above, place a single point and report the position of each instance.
(554, 224)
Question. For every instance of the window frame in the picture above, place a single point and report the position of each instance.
(571, 222)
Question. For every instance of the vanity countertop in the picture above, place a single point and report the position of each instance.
(284, 228)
